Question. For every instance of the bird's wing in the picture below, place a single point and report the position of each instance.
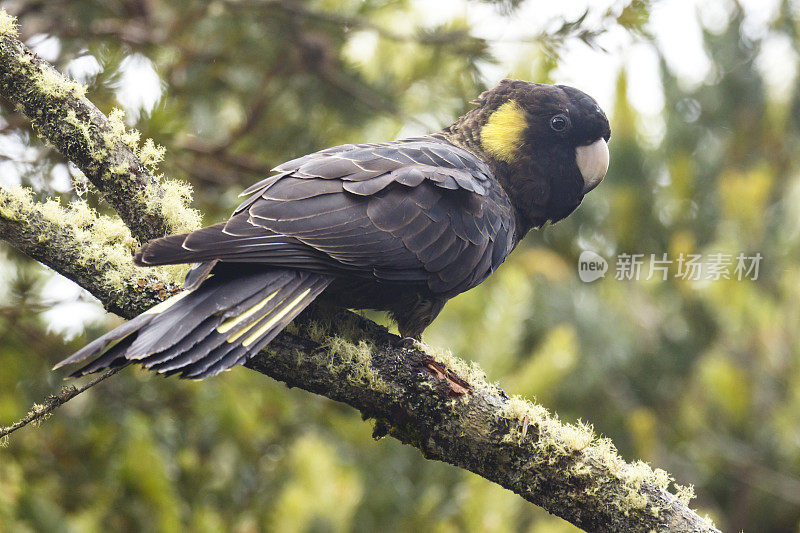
(420, 210)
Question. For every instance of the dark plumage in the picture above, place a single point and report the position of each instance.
(400, 226)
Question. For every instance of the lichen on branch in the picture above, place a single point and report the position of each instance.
(455, 415)
(108, 153)
(93, 250)
(8, 25)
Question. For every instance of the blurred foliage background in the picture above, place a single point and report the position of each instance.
(699, 378)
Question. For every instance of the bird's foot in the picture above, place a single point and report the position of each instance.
(410, 343)
(404, 342)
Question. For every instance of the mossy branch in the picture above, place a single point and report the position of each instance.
(93, 251)
(445, 407)
(433, 401)
(40, 412)
(102, 148)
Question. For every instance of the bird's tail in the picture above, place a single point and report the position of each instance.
(201, 332)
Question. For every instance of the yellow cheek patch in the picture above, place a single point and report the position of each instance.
(504, 133)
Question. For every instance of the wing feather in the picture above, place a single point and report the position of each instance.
(291, 188)
(418, 210)
(370, 186)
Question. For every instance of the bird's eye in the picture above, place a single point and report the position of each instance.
(559, 122)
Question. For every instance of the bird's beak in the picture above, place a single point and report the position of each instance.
(593, 163)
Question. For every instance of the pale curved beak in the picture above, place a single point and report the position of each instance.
(593, 163)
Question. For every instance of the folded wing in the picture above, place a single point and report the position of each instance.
(419, 210)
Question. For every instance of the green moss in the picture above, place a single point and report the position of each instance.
(122, 170)
(13, 202)
(346, 356)
(119, 133)
(8, 25)
(322, 327)
(106, 242)
(167, 199)
(317, 331)
(80, 182)
(170, 200)
(684, 493)
(36, 412)
(151, 154)
(577, 446)
(83, 128)
(562, 439)
(355, 361)
(51, 83)
(471, 372)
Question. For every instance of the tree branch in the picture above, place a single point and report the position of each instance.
(432, 401)
(41, 412)
(101, 148)
(93, 251)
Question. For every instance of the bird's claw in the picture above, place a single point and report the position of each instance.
(406, 342)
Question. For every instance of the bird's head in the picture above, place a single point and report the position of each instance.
(547, 145)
